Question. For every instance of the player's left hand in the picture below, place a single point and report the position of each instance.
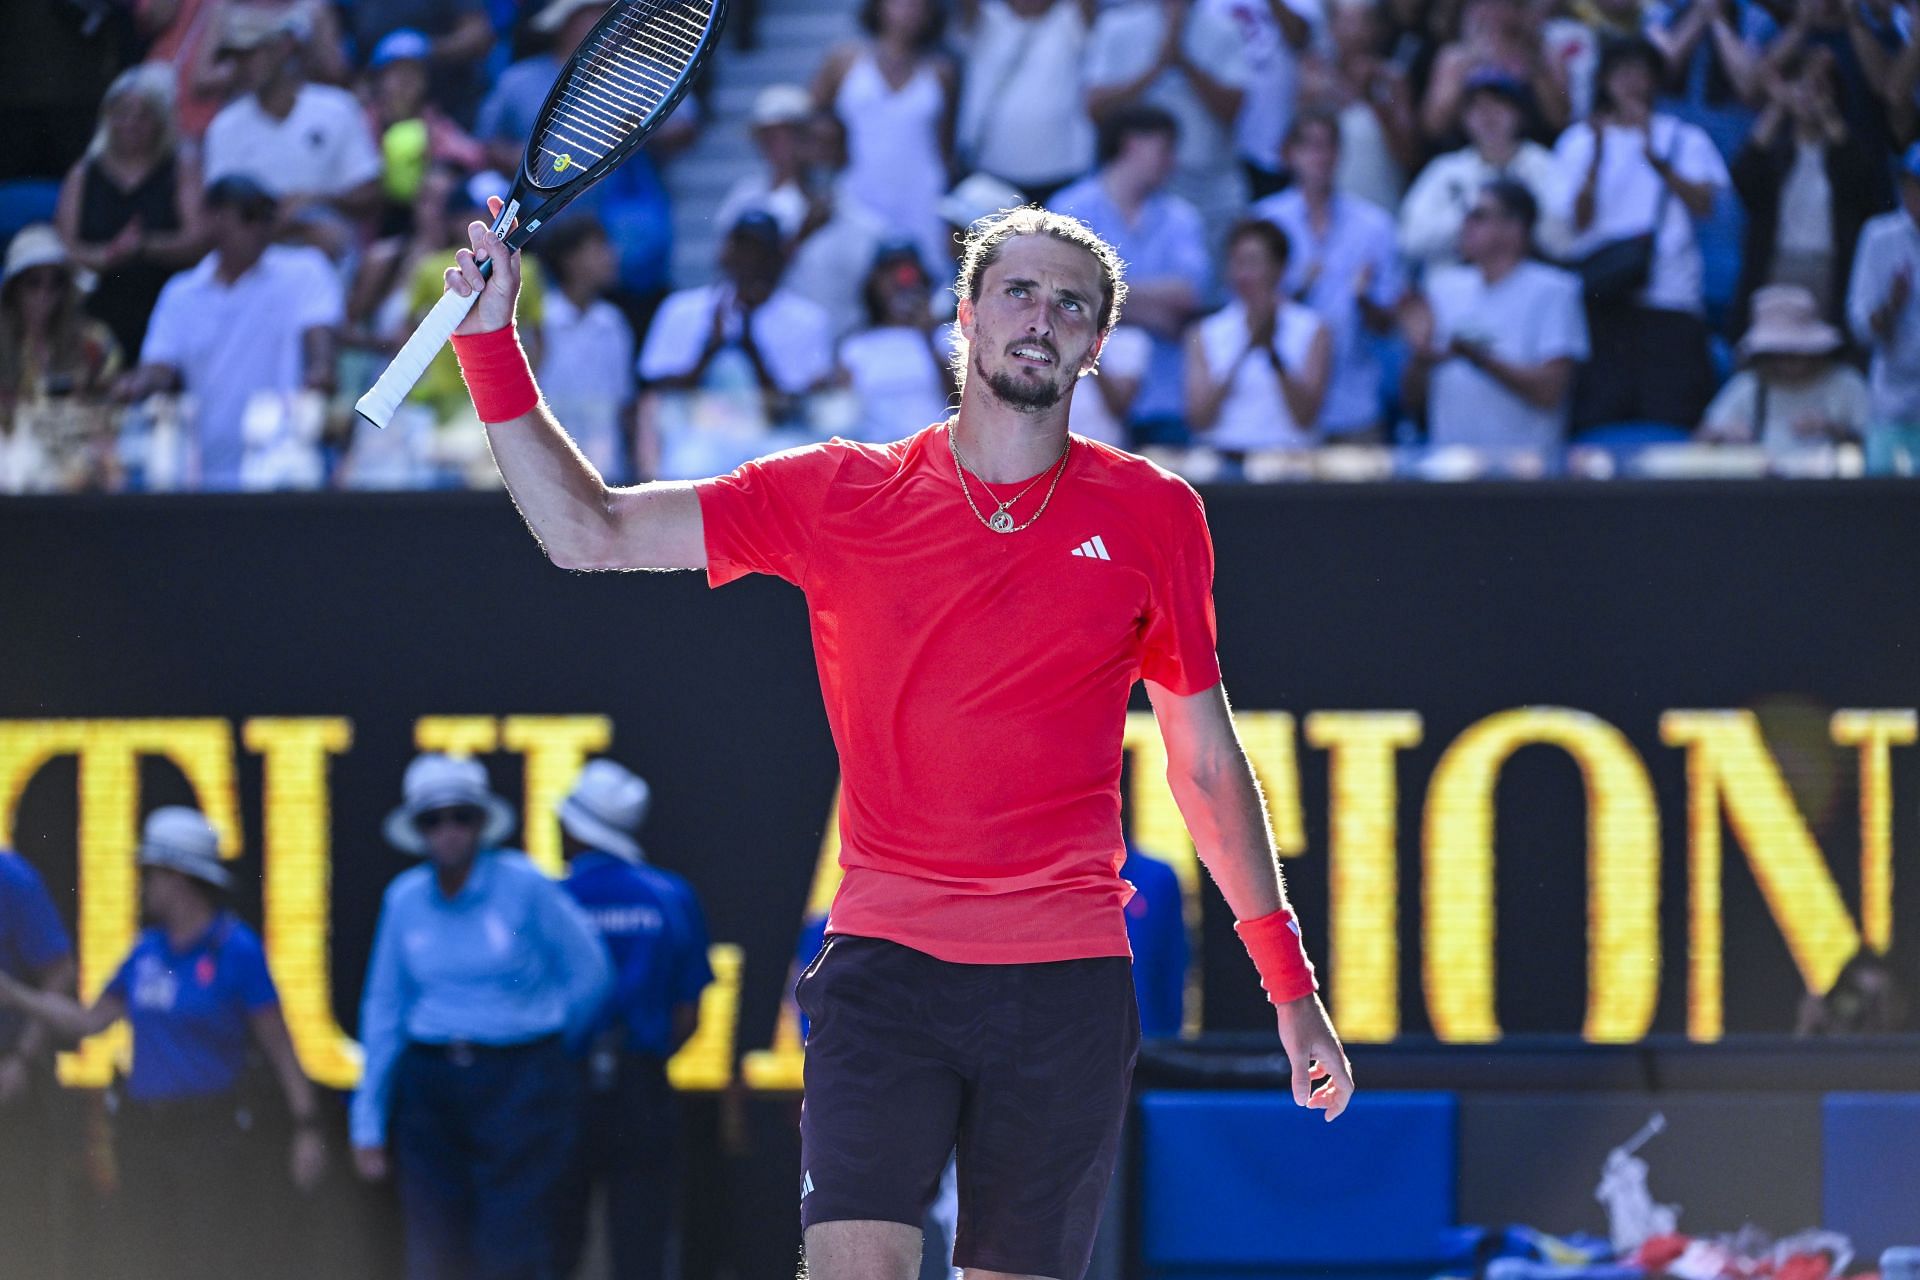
(1315, 1053)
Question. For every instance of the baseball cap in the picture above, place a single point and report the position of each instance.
(240, 191)
(1499, 83)
(250, 26)
(756, 224)
(557, 12)
(978, 196)
(404, 45)
(781, 104)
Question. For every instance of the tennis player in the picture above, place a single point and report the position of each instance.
(983, 595)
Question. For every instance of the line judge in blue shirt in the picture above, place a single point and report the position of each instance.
(197, 992)
(656, 937)
(481, 967)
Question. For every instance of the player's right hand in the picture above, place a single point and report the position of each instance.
(498, 292)
(371, 1162)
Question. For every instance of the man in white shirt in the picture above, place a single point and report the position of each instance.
(1883, 309)
(307, 144)
(740, 338)
(242, 332)
(1021, 116)
(1185, 57)
(1346, 267)
(1495, 340)
(1493, 114)
(1276, 35)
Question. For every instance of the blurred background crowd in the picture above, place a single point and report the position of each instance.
(1454, 237)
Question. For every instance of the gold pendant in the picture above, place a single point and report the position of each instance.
(1000, 521)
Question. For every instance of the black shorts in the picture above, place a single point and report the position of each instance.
(1023, 1069)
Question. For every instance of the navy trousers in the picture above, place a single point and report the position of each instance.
(628, 1135)
(483, 1142)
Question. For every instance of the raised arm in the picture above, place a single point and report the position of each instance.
(579, 521)
(1227, 816)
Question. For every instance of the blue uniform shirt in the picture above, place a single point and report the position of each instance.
(506, 960)
(192, 1010)
(31, 935)
(1157, 933)
(656, 936)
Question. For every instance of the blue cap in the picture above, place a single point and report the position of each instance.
(404, 45)
(1910, 162)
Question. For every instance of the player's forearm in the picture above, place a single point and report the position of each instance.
(559, 493)
(1227, 817)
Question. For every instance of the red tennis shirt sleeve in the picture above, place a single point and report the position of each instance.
(1181, 632)
(761, 518)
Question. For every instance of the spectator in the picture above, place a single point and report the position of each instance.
(840, 236)
(506, 117)
(1502, 36)
(1379, 141)
(1634, 174)
(414, 134)
(35, 952)
(1804, 183)
(656, 937)
(1493, 114)
(55, 367)
(1161, 238)
(186, 40)
(1257, 369)
(1157, 936)
(1021, 116)
(460, 36)
(1495, 341)
(1185, 58)
(1573, 40)
(480, 966)
(242, 332)
(1884, 313)
(1712, 50)
(1796, 389)
(894, 92)
(1344, 266)
(899, 367)
(1101, 409)
(1276, 35)
(307, 144)
(130, 209)
(743, 336)
(587, 347)
(1863, 71)
(780, 117)
(197, 992)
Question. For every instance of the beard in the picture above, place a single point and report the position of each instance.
(1020, 393)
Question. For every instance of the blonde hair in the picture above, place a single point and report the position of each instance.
(156, 84)
(989, 236)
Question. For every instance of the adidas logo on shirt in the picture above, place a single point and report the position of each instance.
(1093, 549)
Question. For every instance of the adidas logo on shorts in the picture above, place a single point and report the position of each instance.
(806, 1184)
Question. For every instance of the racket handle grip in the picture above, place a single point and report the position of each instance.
(383, 399)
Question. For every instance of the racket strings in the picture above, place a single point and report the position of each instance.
(632, 66)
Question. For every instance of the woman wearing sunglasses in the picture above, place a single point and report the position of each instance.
(481, 966)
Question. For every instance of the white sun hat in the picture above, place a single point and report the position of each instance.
(605, 808)
(180, 839)
(445, 782)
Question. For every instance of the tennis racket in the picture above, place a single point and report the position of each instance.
(627, 75)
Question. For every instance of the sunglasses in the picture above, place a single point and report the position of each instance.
(459, 815)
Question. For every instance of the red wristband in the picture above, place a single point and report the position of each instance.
(1274, 943)
(498, 376)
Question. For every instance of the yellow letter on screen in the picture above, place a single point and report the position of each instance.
(705, 1062)
(779, 1068)
(1623, 875)
(109, 752)
(1875, 733)
(1363, 852)
(1731, 773)
(298, 896)
(456, 735)
(555, 747)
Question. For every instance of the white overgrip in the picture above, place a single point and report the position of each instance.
(379, 403)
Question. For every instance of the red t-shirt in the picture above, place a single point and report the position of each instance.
(976, 683)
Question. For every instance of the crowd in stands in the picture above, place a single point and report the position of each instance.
(1497, 236)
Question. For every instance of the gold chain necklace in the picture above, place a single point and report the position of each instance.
(1001, 521)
